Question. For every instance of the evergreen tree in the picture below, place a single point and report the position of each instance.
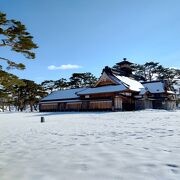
(61, 84)
(147, 70)
(48, 85)
(150, 70)
(33, 93)
(89, 79)
(139, 70)
(28, 94)
(9, 83)
(15, 36)
(76, 80)
(82, 80)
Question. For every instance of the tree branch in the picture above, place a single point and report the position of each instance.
(12, 64)
(4, 59)
(3, 45)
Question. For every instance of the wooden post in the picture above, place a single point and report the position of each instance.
(113, 108)
(42, 120)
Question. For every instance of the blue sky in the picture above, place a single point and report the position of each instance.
(86, 35)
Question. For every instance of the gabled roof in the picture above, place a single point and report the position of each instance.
(63, 94)
(103, 89)
(130, 83)
(116, 79)
(106, 77)
(154, 87)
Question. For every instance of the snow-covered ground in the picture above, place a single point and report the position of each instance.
(142, 145)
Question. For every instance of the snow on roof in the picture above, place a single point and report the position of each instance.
(63, 94)
(58, 101)
(171, 92)
(103, 89)
(131, 83)
(143, 91)
(154, 87)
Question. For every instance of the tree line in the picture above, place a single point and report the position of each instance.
(23, 93)
(155, 71)
(150, 71)
(77, 80)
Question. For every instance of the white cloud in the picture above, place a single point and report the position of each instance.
(64, 67)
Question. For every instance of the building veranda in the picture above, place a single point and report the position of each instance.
(116, 90)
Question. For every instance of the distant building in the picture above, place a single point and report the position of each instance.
(176, 87)
(116, 90)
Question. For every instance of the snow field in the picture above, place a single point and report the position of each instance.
(141, 145)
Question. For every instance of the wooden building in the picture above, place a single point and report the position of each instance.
(156, 95)
(114, 91)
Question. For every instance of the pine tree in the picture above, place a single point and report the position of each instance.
(9, 84)
(29, 94)
(48, 85)
(61, 84)
(82, 80)
(15, 36)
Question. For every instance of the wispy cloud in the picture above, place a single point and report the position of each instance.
(64, 67)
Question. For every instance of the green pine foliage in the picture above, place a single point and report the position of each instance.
(15, 36)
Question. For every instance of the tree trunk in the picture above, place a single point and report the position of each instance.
(31, 107)
(3, 106)
(9, 107)
(35, 107)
